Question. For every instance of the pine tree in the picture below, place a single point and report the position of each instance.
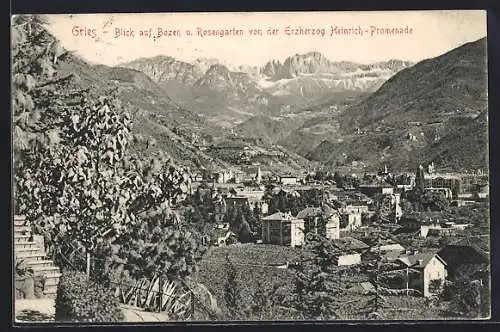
(317, 291)
(232, 295)
(420, 180)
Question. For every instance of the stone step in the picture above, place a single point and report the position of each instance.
(39, 263)
(50, 290)
(22, 227)
(21, 238)
(52, 280)
(30, 254)
(20, 221)
(22, 231)
(46, 271)
(25, 245)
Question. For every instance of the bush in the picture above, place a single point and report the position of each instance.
(83, 300)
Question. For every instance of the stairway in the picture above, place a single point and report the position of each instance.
(35, 257)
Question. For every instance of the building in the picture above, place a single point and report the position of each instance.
(389, 247)
(350, 251)
(447, 228)
(224, 176)
(430, 266)
(288, 180)
(312, 215)
(444, 191)
(258, 176)
(350, 221)
(356, 208)
(483, 191)
(283, 229)
(461, 185)
(374, 189)
(255, 198)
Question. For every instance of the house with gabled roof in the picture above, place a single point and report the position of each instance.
(430, 267)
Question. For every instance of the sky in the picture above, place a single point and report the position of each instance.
(433, 33)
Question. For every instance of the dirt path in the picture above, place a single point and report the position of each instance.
(34, 310)
(43, 310)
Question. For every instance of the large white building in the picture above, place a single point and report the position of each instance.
(283, 229)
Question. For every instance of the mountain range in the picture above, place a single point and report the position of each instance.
(435, 110)
(230, 94)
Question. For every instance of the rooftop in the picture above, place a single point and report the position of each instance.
(350, 244)
(325, 210)
(279, 216)
(418, 260)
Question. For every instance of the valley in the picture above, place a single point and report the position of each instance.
(323, 113)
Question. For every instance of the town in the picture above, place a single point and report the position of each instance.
(402, 220)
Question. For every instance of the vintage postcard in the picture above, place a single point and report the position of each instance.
(250, 166)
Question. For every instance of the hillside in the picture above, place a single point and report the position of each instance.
(321, 123)
(164, 68)
(266, 128)
(428, 91)
(425, 113)
(160, 124)
(156, 117)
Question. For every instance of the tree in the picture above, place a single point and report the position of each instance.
(317, 292)
(385, 210)
(34, 55)
(420, 179)
(158, 245)
(74, 174)
(434, 201)
(234, 302)
(469, 298)
(239, 219)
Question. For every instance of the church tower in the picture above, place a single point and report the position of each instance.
(258, 177)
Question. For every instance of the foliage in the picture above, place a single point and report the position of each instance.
(156, 246)
(34, 55)
(435, 286)
(74, 173)
(252, 278)
(294, 201)
(317, 292)
(156, 294)
(384, 209)
(232, 295)
(243, 223)
(469, 298)
(24, 279)
(80, 299)
(21, 269)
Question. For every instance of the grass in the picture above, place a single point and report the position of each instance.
(254, 270)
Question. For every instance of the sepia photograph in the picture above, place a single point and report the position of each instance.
(250, 166)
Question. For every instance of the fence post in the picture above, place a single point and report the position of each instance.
(160, 290)
(192, 304)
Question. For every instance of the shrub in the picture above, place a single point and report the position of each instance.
(83, 300)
